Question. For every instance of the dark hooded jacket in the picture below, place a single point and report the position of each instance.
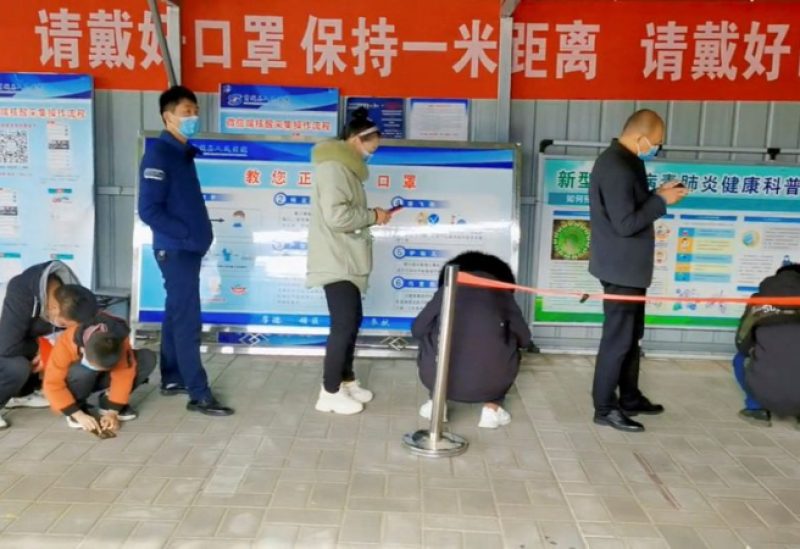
(488, 332)
(769, 336)
(24, 317)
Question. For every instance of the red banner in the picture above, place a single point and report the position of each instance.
(448, 48)
(634, 49)
(563, 49)
(115, 42)
(363, 47)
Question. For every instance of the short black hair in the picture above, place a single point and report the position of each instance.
(170, 98)
(103, 350)
(479, 262)
(76, 303)
(359, 122)
(794, 267)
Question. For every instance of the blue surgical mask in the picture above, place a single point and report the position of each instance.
(650, 153)
(368, 157)
(189, 125)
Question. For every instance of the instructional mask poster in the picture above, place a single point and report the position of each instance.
(739, 225)
(258, 194)
(46, 173)
(279, 111)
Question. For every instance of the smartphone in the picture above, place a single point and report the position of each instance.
(395, 209)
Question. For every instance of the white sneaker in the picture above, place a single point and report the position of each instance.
(426, 411)
(3, 423)
(492, 419)
(356, 391)
(73, 424)
(34, 400)
(338, 403)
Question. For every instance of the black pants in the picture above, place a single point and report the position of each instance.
(344, 306)
(82, 381)
(17, 378)
(618, 357)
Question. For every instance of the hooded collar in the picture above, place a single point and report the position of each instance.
(339, 151)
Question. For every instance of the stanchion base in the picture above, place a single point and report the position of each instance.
(421, 444)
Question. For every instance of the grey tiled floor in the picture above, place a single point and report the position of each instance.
(278, 474)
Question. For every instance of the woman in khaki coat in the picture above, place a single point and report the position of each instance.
(340, 253)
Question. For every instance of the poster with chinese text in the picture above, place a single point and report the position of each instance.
(388, 114)
(258, 194)
(739, 225)
(277, 111)
(46, 173)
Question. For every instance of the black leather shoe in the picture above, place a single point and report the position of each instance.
(209, 407)
(172, 389)
(644, 406)
(756, 417)
(618, 420)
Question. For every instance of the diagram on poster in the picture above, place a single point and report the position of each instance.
(453, 200)
(46, 173)
(738, 226)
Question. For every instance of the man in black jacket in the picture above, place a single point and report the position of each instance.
(769, 340)
(623, 210)
(41, 300)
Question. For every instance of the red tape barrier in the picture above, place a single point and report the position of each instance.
(466, 279)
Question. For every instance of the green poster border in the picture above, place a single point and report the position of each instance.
(542, 316)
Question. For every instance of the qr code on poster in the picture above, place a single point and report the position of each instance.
(13, 147)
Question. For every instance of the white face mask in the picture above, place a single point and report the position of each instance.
(85, 363)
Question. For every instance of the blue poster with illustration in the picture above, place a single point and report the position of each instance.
(46, 173)
(738, 225)
(258, 194)
(279, 111)
(388, 114)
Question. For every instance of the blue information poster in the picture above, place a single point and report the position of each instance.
(46, 173)
(258, 194)
(388, 114)
(278, 111)
(739, 225)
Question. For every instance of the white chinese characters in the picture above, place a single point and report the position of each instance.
(110, 33)
(264, 53)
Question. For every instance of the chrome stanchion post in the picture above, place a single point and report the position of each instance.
(435, 442)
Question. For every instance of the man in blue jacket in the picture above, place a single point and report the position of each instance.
(172, 204)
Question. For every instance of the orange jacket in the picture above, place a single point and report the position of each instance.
(65, 353)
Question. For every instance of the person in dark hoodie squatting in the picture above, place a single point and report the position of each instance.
(96, 357)
(488, 332)
(40, 301)
(768, 340)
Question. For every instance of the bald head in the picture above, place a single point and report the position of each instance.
(643, 130)
(643, 122)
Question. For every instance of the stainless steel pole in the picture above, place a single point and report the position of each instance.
(434, 442)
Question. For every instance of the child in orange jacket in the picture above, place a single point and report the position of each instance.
(93, 358)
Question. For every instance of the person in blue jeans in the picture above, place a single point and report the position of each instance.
(767, 365)
(752, 411)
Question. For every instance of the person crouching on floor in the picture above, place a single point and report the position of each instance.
(488, 332)
(96, 358)
(768, 340)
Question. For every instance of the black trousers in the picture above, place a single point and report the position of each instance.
(344, 306)
(618, 357)
(17, 378)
